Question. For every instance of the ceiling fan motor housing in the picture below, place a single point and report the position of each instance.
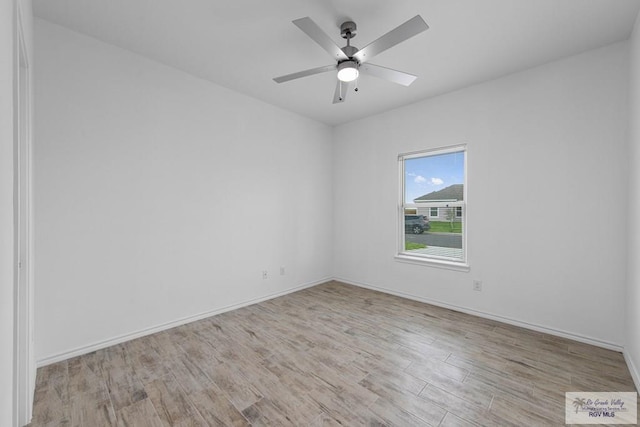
(350, 51)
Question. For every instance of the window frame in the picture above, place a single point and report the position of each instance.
(437, 215)
(431, 260)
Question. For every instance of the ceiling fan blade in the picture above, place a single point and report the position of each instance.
(304, 73)
(412, 27)
(341, 91)
(311, 29)
(404, 79)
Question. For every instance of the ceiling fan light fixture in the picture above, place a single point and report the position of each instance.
(348, 71)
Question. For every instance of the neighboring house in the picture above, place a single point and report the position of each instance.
(434, 204)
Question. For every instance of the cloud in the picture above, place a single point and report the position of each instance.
(436, 181)
(419, 179)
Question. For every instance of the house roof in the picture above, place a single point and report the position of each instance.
(453, 192)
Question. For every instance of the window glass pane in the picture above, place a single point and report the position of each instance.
(437, 238)
(434, 191)
(434, 173)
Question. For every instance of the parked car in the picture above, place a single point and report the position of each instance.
(416, 224)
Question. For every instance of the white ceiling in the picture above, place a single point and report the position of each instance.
(243, 44)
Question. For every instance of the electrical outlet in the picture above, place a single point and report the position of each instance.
(265, 274)
(477, 285)
(282, 271)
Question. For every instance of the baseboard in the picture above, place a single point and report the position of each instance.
(633, 369)
(498, 318)
(162, 327)
(158, 328)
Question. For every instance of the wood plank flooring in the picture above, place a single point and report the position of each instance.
(330, 355)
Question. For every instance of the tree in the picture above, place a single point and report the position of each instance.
(579, 403)
(450, 215)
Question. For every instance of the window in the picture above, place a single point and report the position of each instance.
(433, 189)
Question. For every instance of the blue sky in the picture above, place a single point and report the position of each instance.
(426, 174)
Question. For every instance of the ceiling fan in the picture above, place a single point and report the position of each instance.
(352, 61)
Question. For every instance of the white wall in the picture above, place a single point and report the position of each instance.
(160, 196)
(632, 342)
(139, 165)
(8, 40)
(546, 156)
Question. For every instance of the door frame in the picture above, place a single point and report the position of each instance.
(24, 360)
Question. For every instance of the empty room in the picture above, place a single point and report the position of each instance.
(319, 212)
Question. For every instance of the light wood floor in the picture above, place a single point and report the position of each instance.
(333, 354)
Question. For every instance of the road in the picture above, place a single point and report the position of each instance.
(443, 240)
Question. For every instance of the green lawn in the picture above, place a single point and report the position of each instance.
(408, 246)
(445, 227)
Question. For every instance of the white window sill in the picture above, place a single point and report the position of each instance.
(432, 262)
